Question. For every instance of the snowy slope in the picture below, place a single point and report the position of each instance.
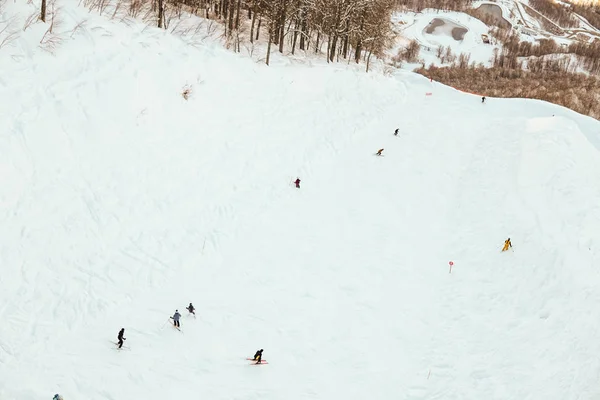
(413, 26)
(121, 202)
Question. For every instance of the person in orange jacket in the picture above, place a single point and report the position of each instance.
(507, 244)
(379, 152)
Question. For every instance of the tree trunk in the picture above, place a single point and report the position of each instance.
(252, 28)
(222, 9)
(282, 25)
(269, 45)
(258, 27)
(237, 15)
(359, 42)
(275, 35)
(346, 35)
(161, 15)
(296, 26)
(317, 44)
(368, 60)
(331, 50)
(303, 30)
(43, 13)
(231, 10)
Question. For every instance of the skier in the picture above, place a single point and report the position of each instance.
(507, 244)
(483, 99)
(258, 356)
(175, 319)
(191, 309)
(297, 182)
(396, 132)
(57, 397)
(120, 337)
(379, 152)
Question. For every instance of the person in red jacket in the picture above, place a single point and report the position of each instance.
(297, 182)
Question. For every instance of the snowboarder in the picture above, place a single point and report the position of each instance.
(507, 244)
(120, 337)
(191, 309)
(175, 319)
(297, 182)
(483, 99)
(379, 152)
(396, 132)
(258, 356)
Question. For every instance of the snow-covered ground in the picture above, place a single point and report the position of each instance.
(121, 202)
(413, 26)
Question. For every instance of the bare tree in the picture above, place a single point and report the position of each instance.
(161, 13)
(43, 11)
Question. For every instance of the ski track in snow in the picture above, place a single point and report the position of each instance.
(121, 202)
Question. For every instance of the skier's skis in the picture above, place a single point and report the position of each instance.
(260, 363)
(117, 344)
(252, 359)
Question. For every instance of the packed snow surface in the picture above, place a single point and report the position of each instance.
(121, 201)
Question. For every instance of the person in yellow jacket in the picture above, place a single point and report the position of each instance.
(507, 244)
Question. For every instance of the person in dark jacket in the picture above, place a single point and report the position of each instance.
(120, 337)
(483, 99)
(258, 356)
(396, 132)
(297, 182)
(191, 309)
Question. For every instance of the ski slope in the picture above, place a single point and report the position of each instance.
(121, 202)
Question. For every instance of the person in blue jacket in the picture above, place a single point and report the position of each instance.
(175, 318)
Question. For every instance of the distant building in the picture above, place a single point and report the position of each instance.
(525, 30)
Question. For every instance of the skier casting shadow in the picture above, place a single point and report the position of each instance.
(175, 319)
(258, 356)
(191, 309)
(120, 337)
